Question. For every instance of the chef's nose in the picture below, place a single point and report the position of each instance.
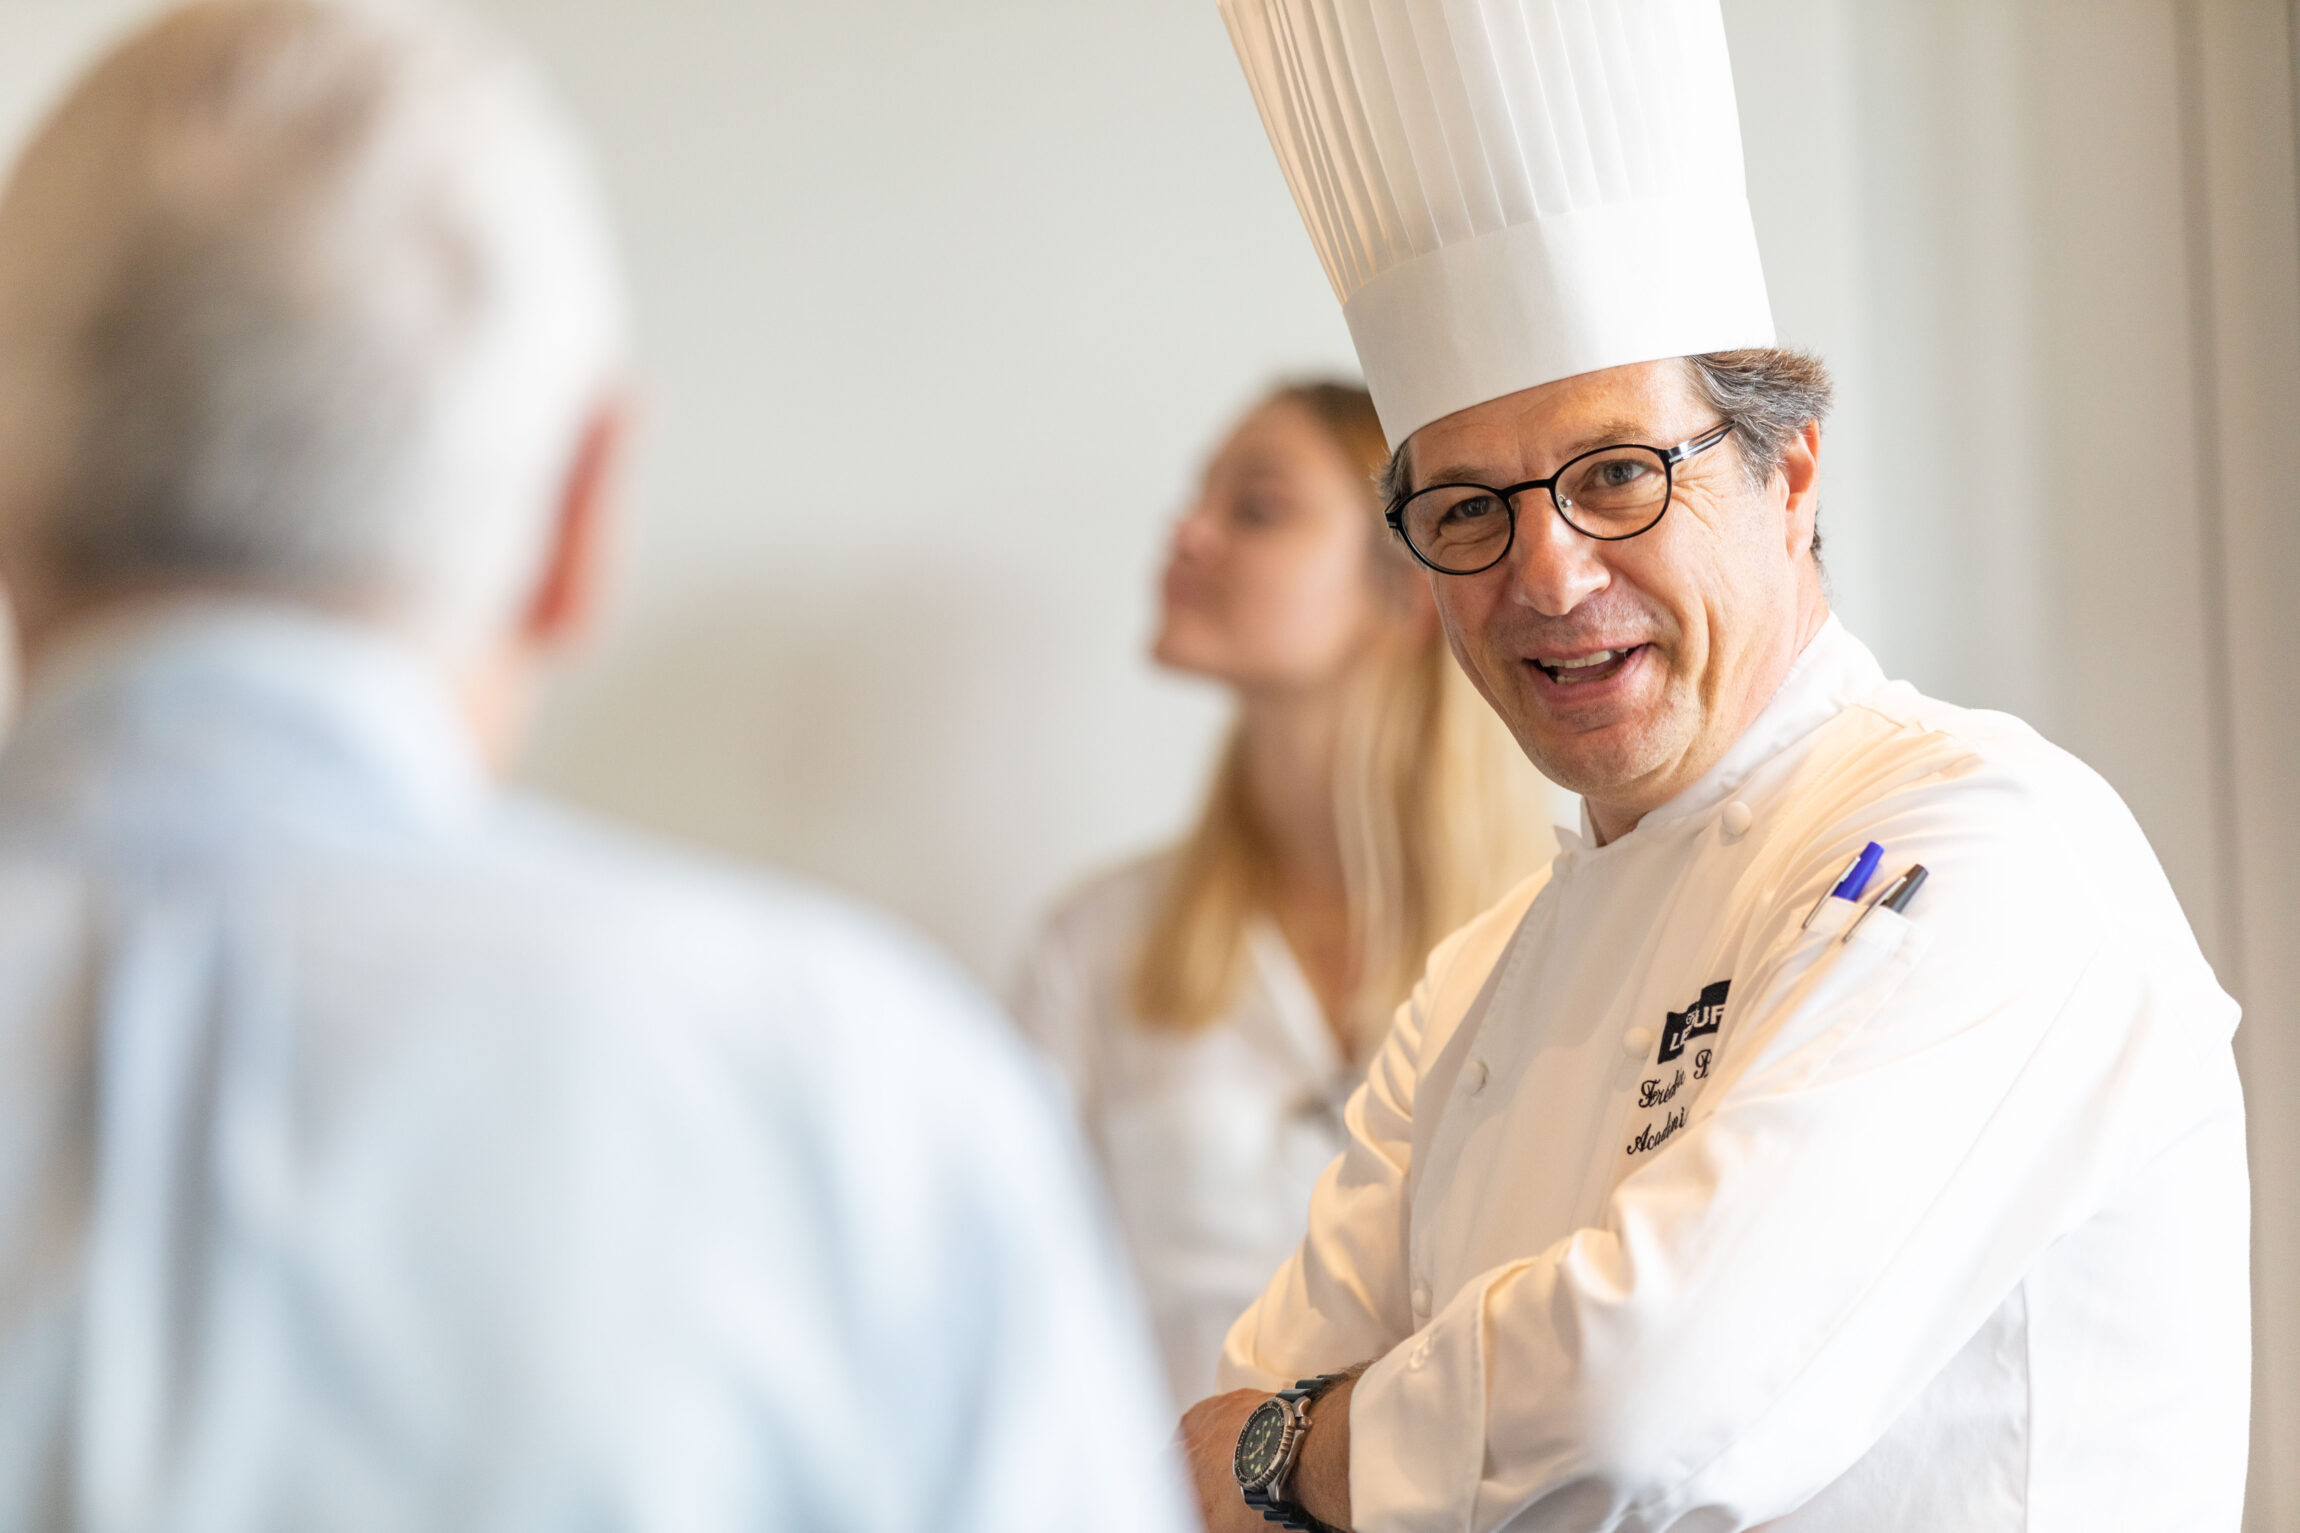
(1554, 569)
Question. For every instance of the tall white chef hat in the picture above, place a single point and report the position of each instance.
(1508, 192)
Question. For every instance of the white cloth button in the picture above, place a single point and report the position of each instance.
(1475, 1076)
(1421, 1298)
(1421, 1355)
(1738, 818)
(1636, 1041)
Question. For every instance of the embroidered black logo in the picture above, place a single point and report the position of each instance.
(1698, 1020)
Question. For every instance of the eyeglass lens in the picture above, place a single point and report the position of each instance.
(1614, 492)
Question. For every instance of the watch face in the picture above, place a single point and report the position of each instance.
(1258, 1445)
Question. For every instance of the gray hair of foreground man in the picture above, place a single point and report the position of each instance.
(1767, 392)
(306, 298)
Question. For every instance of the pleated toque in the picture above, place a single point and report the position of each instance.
(1509, 192)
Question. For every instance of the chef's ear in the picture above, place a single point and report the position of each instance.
(1800, 474)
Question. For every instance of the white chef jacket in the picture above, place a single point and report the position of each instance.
(379, 1156)
(1212, 1138)
(1661, 1212)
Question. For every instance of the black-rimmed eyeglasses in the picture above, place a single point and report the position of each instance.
(1609, 494)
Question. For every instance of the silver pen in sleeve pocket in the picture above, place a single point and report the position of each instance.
(1895, 897)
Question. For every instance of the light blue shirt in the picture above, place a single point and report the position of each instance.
(378, 1153)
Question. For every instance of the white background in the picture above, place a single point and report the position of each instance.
(942, 299)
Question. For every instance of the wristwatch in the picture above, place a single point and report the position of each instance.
(1268, 1445)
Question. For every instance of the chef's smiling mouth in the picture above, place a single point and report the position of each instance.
(1576, 670)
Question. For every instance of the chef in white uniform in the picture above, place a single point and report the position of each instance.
(1689, 1191)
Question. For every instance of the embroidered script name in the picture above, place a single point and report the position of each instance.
(1651, 1138)
(1652, 1093)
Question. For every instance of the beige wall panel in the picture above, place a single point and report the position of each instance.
(1938, 111)
(2119, 459)
(2251, 182)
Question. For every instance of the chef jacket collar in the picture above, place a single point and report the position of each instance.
(313, 709)
(1834, 671)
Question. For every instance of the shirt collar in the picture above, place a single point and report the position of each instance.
(1301, 1016)
(217, 695)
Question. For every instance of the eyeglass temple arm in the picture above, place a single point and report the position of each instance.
(1698, 445)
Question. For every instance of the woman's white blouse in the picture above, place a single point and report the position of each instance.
(1211, 1138)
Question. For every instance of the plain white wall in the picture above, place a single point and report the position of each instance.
(941, 302)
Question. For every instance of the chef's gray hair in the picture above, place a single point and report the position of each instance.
(1767, 392)
(304, 296)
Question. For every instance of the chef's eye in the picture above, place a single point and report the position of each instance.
(1469, 511)
(1614, 492)
(1616, 474)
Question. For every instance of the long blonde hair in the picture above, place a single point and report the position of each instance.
(1438, 812)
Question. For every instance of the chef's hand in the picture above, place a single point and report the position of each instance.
(1321, 1478)
(1209, 1437)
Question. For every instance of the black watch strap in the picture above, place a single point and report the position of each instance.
(1285, 1514)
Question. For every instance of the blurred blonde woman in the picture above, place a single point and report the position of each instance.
(1215, 1003)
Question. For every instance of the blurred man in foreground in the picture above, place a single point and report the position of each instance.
(379, 1154)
